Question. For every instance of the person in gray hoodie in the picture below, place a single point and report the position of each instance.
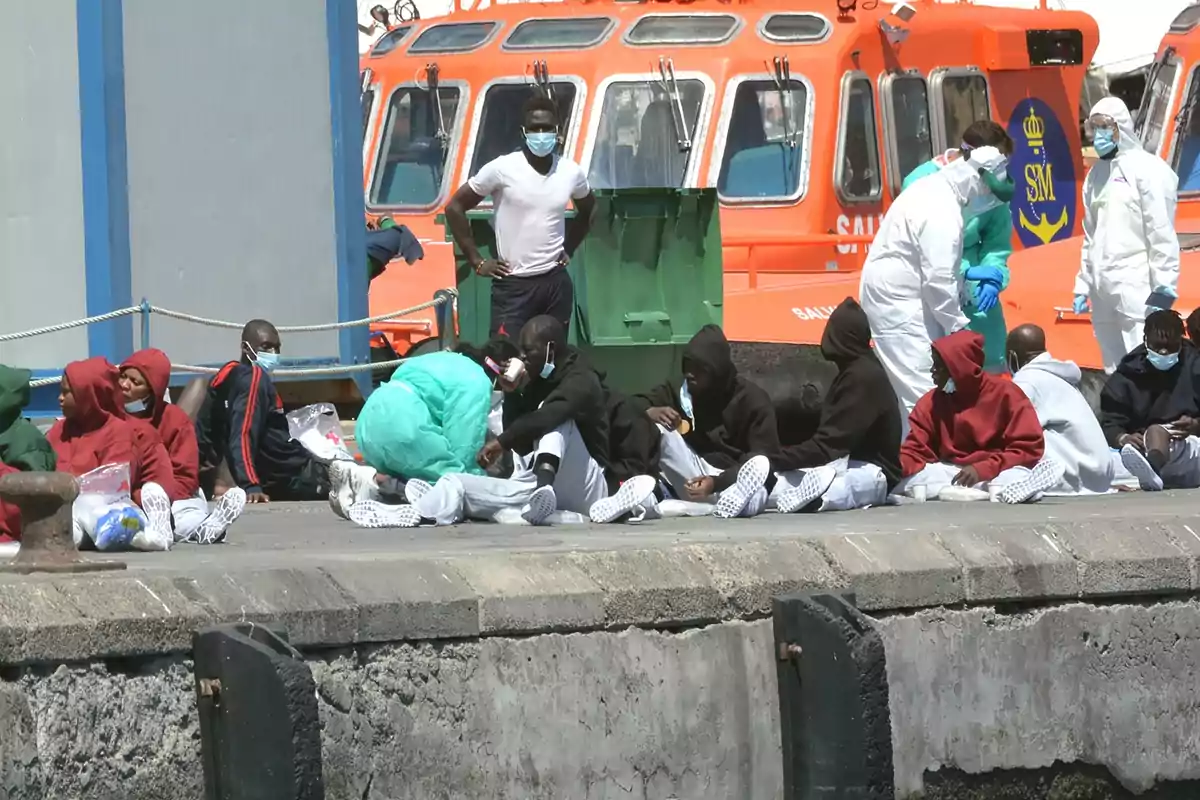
(1073, 434)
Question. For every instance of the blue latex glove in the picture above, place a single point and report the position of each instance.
(985, 273)
(1080, 306)
(987, 295)
(1161, 297)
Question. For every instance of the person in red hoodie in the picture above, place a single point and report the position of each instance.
(144, 379)
(974, 430)
(95, 431)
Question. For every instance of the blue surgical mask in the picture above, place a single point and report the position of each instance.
(1102, 140)
(268, 361)
(137, 406)
(548, 367)
(1162, 362)
(950, 388)
(685, 402)
(541, 143)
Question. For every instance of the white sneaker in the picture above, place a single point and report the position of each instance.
(373, 514)
(362, 482)
(1136, 463)
(631, 494)
(341, 490)
(157, 506)
(541, 505)
(751, 477)
(812, 486)
(229, 507)
(1042, 478)
(415, 489)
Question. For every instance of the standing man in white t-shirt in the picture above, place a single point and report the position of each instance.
(531, 189)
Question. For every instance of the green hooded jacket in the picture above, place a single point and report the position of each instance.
(987, 241)
(429, 420)
(22, 445)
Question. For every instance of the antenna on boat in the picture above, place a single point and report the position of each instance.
(666, 71)
(541, 78)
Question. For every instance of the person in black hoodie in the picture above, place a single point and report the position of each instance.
(712, 423)
(556, 424)
(1150, 408)
(853, 459)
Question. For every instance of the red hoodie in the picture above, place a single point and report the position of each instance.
(987, 422)
(174, 427)
(100, 433)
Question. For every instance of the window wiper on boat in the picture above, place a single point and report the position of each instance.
(666, 71)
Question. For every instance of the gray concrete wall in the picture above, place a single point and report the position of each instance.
(41, 184)
(227, 220)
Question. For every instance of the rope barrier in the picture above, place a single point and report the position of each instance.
(279, 373)
(123, 312)
(332, 326)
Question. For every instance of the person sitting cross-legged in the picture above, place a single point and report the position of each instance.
(975, 431)
(1151, 410)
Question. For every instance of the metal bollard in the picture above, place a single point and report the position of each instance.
(44, 499)
(260, 732)
(834, 715)
(447, 319)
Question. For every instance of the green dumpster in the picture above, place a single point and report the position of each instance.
(647, 277)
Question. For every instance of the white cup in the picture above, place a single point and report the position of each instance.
(920, 493)
(516, 368)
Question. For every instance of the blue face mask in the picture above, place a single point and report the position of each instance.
(1102, 141)
(685, 402)
(541, 143)
(950, 388)
(268, 361)
(1162, 362)
(548, 367)
(137, 406)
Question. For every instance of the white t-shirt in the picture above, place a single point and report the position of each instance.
(531, 208)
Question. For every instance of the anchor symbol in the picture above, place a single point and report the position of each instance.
(1045, 230)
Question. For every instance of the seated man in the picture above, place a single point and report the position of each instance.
(557, 425)
(23, 448)
(1149, 407)
(973, 430)
(242, 425)
(853, 459)
(712, 424)
(1073, 436)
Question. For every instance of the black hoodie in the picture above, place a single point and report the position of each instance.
(1137, 395)
(734, 421)
(860, 417)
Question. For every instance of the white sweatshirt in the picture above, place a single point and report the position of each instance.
(1073, 434)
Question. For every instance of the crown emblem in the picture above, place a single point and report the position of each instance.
(1035, 130)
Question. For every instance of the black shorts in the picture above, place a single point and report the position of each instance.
(515, 301)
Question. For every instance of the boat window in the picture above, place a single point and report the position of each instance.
(1158, 96)
(453, 37)
(858, 177)
(637, 144)
(568, 33)
(1186, 159)
(1187, 19)
(390, 40)
(910, 138)
(655, 29)
(795, 28)
(764, 146)
(500, 122)
(416, 146)
(964, 100)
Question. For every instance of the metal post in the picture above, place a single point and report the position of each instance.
(45, 499)
(833, 701)
(447, 319)
(145, 312)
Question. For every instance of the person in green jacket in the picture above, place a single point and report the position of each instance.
(22, 445)
(987, 244)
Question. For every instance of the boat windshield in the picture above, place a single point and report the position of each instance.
(1186, 159)
(637, 142)
(413, 163)
(765, 145)
(1157, 103)
(500, 123)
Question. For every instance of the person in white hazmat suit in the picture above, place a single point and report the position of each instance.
(1130, 262)
(1073, 435)
(911, 286)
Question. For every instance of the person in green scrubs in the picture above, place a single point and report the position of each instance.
(987, 243)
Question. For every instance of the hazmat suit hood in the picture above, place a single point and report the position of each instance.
(14, 395)
(963, 173)
(1067, 370)
(1115, 109)
(847, 334)
(155, 367)
(963, 354)
(709, 350)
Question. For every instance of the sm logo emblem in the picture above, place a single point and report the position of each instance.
(1043, 168)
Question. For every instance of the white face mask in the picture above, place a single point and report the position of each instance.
(950, 388)
(685, 402)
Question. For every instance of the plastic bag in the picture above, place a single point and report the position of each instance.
(103, 514)
(318, 428)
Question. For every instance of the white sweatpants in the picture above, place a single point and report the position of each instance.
(579, 483)
(1182, 470)
(908, 361)
(1116, 339)
(858, 484)
(935, 477)
(188, 514)
(679, 464)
